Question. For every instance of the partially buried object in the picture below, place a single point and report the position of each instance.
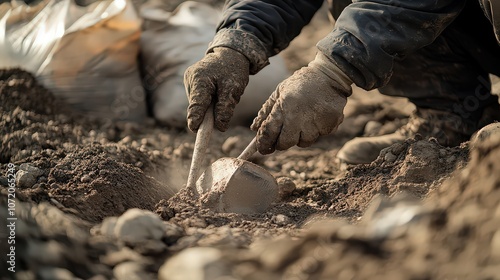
(231, 185)
(236, 185)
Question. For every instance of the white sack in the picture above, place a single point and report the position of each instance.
(85, 55)
(171, 42)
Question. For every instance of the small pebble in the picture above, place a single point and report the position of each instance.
(85, 179)
(390, 157)
(195, 264)
(197, 223)
(25, 179)
(107, 227)
(31, 169)
(397, 148)
(281, 219)
(127, 225)
(126, 139)
(130, 271)
(173, 233)
(286, 186)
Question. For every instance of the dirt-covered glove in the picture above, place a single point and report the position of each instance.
(220, 76)
(303, 107)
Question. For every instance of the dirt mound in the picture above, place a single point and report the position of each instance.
(97, 186)
(70, 163)
(14, 83)
(455, 235)
(414, 167)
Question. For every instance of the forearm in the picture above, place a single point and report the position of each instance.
(370, 35)
(261, 29)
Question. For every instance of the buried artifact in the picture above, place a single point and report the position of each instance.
(232, 185)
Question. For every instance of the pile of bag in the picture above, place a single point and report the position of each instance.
(89, 56)
(84, 55)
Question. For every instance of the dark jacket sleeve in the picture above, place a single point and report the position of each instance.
(370, 35)
(261, 29)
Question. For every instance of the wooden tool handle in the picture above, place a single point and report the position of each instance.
(249, 150)
(200, 146)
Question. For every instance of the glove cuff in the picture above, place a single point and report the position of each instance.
(243, 42)
(330, 69)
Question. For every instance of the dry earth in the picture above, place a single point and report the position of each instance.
(420, 211)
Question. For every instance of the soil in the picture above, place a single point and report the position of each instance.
(419, 211)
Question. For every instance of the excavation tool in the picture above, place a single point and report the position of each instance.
(232, 185)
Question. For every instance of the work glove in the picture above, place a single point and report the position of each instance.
(221, 76)
(308, 104)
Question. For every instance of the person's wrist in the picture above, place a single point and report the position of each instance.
(323, 64)
(233, 55)
(245, 43)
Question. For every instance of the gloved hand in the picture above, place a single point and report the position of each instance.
(220, 76)
(303, 107)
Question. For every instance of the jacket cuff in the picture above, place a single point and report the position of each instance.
(245, 43)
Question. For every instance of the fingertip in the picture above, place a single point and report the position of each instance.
(223, 115)
(264, 147)
(193, 124)
(222, 126)
(254, 126)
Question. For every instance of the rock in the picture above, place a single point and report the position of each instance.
(397, 148)
(172, 233)
(85, 179)
(125, 254)
(53, 221)
(150, 247)
(281, 219)
(51, 273)
(286, 186)
(130, 271)
(137, 226)
(197, 223)
(485, 133)
(195, 264)
(47, 253)
(37, 172)
(187, 241)
(390, 157)
(25, 179)
(107, 227)
(224, 237)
